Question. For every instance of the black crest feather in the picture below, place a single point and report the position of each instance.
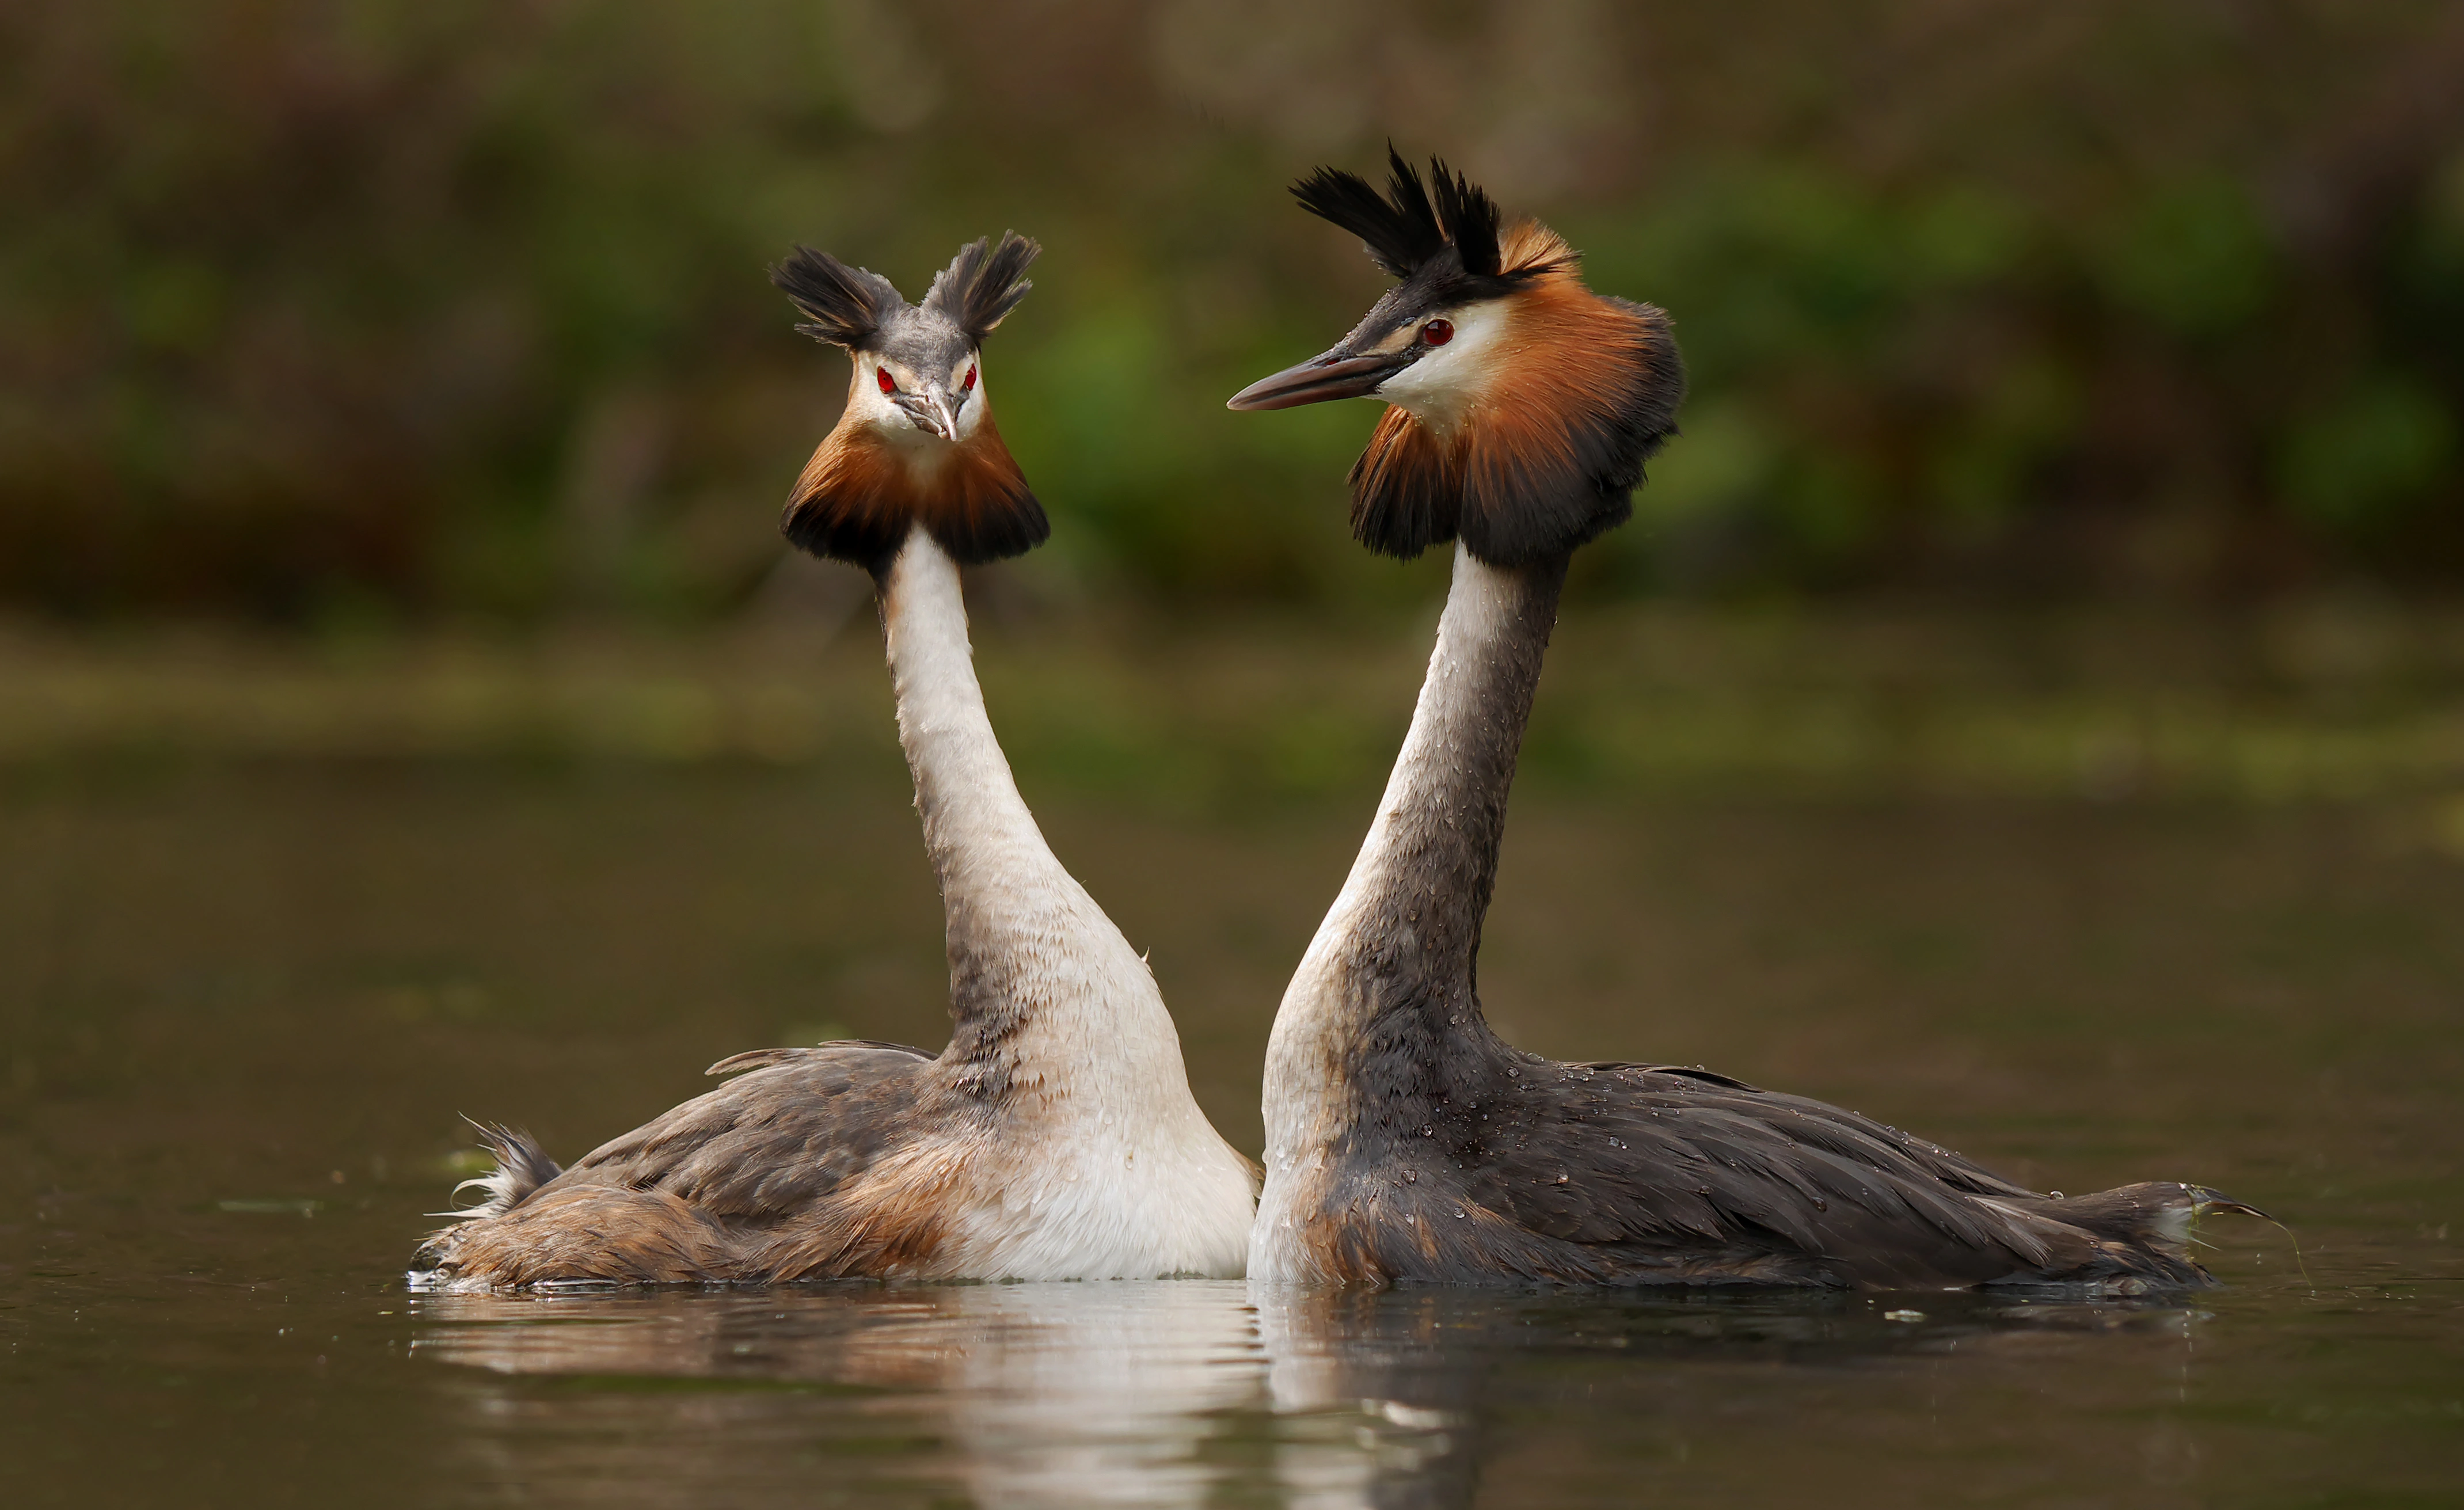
(1469, 216)
(984, 283)
(847, 306)
(1403, 228)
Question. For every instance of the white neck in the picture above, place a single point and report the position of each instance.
(1058, 1031)
(996, 874)
(1030, 952)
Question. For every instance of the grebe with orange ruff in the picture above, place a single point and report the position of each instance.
(1055, 1136)
(1405, 1141)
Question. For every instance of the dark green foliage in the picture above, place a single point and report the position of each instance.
(382, 309)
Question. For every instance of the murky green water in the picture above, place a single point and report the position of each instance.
(243, 1006)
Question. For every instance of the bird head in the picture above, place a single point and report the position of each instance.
(917, 443)
(1523, 406)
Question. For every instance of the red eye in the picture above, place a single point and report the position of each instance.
(1438, 332)
(968, 387)
(889, 385)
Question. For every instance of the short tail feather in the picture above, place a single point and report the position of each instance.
(2143, 1231)
(522, 1167)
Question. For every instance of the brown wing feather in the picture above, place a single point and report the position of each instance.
(796, 1145)
(772, 1141)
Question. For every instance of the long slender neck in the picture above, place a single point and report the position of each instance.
(1003, 894)
(1393, 962)
(972, 811)
(1048, 1003)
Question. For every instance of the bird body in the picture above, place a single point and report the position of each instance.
(1405, 1140)
(1055, 1136)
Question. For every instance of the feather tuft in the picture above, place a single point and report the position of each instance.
(1400, 235)
(846, 306)
(1405, 228)
(1469, 216)
(984, 283)
(522, 1167)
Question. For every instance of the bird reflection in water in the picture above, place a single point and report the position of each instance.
(1165, 1393)
(1019, 1394)
(1376, 1401)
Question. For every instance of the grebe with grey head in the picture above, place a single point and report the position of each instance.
(1405, 1141)
(1055, 1136)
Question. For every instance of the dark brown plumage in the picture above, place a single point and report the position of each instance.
(1630, 1173)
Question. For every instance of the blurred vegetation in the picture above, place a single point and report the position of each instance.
(2313, 700)
(369, 312)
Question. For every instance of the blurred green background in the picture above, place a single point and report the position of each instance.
(2027, 708)
(371, 313)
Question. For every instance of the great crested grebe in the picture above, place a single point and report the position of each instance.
(1404, 1139)
(1055, 1137)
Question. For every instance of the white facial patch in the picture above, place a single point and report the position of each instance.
(1448, 381)
(879, 409)
(972, 414)
(875, 408)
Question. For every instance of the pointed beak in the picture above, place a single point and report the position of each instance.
(1334, 375)
(930, 409)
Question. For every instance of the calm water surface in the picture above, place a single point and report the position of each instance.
(244, 1006)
